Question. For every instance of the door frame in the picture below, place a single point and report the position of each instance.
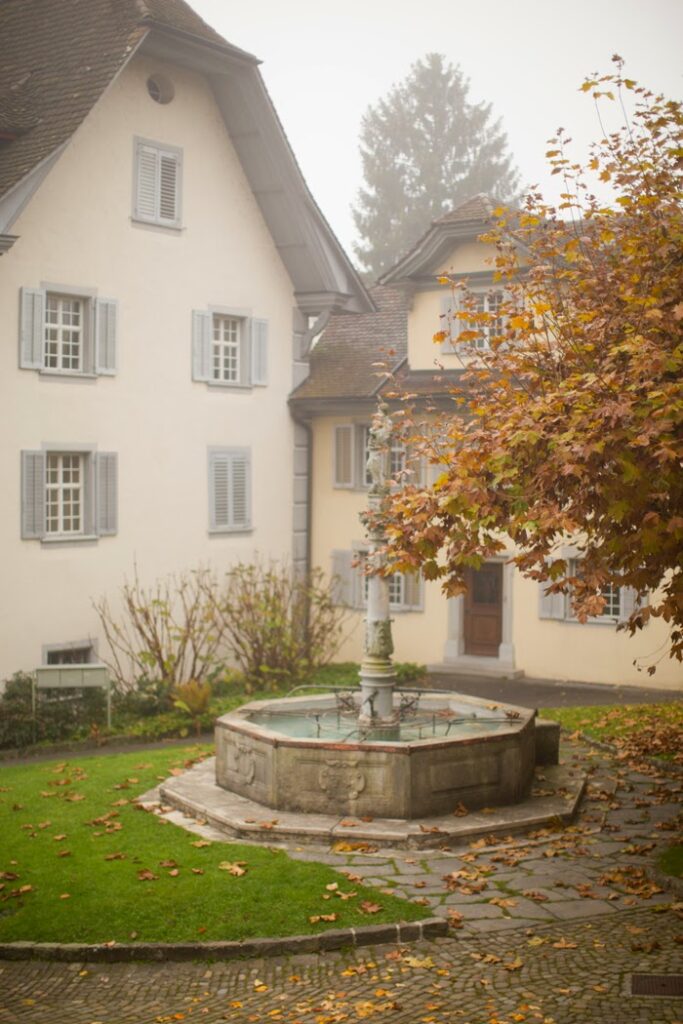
(454, 648)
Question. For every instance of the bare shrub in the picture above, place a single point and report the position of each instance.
(279, 624)
(167, 633)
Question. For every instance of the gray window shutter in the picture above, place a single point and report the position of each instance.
(246, 331)
(31, 328)
(32, 495)
(229, 490)
(413, 592)
(219, 491)
(169, 182)
(106, 493)
(106, 319)
(343, 579)
(343, 455)
(628, 602)
(449, 305)
(202, 330)
(240, 491)
(259, 352)
(550, 606)
(146, 181)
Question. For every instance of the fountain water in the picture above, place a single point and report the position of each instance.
(379, 750)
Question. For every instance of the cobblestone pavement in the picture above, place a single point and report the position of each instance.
(547, 928)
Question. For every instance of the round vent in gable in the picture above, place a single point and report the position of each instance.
(160, 88)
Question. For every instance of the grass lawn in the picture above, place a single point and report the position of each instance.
(89, 866)
(671, 861)
(637, 730)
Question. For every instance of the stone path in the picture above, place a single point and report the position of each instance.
(548, 928)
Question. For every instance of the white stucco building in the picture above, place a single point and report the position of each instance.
(162, 264)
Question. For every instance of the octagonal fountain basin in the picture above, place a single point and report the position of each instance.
(311, 754)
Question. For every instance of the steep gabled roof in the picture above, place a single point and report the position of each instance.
(58, 58)
(468, 220)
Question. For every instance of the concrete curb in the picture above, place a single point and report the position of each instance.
(369, 935)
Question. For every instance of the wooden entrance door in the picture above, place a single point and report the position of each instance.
(484, 610)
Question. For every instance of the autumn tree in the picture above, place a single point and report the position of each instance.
(571, 422)
(425, 148)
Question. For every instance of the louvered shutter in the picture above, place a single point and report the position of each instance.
(246, 330)
(219, 490)
(106, 493)
(202, 329)
(146, 182)
(32, 329)
(550, 606)
(449, 322)
(342, 578)
(628, 602)
(106, 318)
(32, 495)
(229, 490)
(239, 492)
(259, 352)
(413, 591)
(343, 455)
(169, 191)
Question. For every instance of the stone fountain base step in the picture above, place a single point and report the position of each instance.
(555, 796)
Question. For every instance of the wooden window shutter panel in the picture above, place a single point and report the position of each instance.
(246, 331)
(413, 592)
(169, 180)
(343, 455)
(31, 328)
(449, 306)
(342, 578)
(240, 491)
(202, 327)
(32, 495)
(550, 606)
(146, 182)
(259, 352)
(106, 324)
(219, 491)
(106, 493)
(628, 602)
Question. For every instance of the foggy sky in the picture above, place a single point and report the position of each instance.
(323, 63)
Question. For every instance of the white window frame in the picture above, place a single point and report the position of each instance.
(59, 328)
(50, 651)
(97, 487)
(573, 569)
(62, 494)
(397, 582)
(488, 301)
(148, 209)
(222, 348)
(359, 440)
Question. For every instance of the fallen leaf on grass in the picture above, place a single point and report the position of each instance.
(116, 856)
(370, 908)
(64, 853)
(167, 864)
(237, 869)
(197, 871)
(145, 875)
(59, 838)
(65, 896)
(199, 843)
(322, 917)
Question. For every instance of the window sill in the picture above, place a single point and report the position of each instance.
(68, 375)
(158, 225)
(81, 538)
(221, 531)
(226, 385)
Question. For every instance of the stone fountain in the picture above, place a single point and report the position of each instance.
(377, 751)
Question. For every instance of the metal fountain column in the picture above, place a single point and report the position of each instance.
(377, 673)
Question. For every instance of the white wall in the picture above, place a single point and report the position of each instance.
(77, 231)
